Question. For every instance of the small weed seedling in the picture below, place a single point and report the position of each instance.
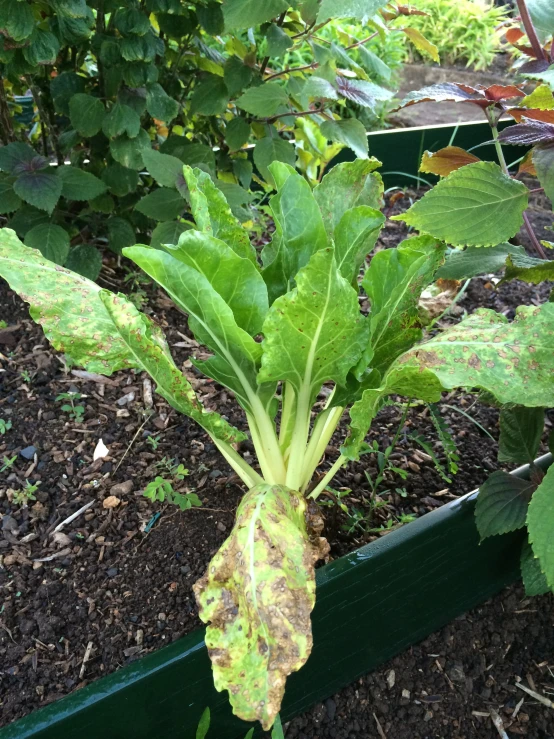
(4, 426)
(161, 489)
(22, 497)
(75, 412)
(153, 440)
(7, 463)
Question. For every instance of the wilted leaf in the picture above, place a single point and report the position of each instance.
(447, 160)
(502, 504)
(477, 205)
(256, 597)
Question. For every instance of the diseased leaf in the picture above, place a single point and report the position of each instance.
(86, 113)
(263, 101)
(520, 434)
(39, 188)
(345, 186)
(531, 573)
(447, 160)
(502, 504)
(273, 149)
(394, 283)
(85, 260)
(473, 261)
(236, 279)
(541, 98)
(78, 184)
(162, 204)
(355, 236)
(477, 205)
(256, 597)
(510, 360)
(349, 132)
(543, 159)
(149, 351)
(50, 240)
(540, 523)
(315, 332)
(422, 44)
(522, 267)
(250, 13)
(213, 215)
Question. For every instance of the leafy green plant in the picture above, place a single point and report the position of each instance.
(5, 426)
(8, 462)
(22, 497)
(161, 489)
(75, 412)
(278, 332)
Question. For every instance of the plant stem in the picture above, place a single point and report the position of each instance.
(248, 475)
(530, 30)
(320, 487)
(321, 435)
(529, 228)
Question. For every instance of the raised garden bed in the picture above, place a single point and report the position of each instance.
(151, 697)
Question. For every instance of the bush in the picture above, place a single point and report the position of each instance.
(464, 31)
(124, 94)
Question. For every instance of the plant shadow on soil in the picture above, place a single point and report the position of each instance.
(118, 581)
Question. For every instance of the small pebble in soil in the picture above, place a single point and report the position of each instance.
(112, 572)
(122, 488)
(28, 452)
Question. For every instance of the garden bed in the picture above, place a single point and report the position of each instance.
(116, 583)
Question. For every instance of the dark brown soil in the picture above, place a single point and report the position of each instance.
(116, 583)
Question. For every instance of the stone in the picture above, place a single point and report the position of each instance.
(111, 501)
(29, 452)
(122, 488)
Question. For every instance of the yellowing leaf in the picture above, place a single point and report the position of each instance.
(446, 160)
(541, 98)
(422, 44)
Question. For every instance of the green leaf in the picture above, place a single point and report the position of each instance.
(236, 279)
(237, 133)
(349, 132)
(167, 233)
(277, 41)
(162, 204)
(78, 184)
(17, 19)
(314, 333)
(120, 180)
(25, 218)
(195, 155)
(85, 260)
(520, 434)
(50, 240)
(502, 504)
(121, 119)
(164, 168)
(273, 149)
(39, 188)
(394, 283)
(66, 305)
(149, 351)
(211, 18)
(86, 114)
(510, 360)
(15, 156)
(299, 230)
(62, 89)
(213, 215)
(522, 267)
(473, 261)
(355, 236)
(531, 573)
(476, 205)
(9, 201)
(373, 64)
(540, 523)
(253, 641)
(362, 92)
(210, 96)
(102, 204)
(204, 723)
(42, 49)
(543, 159)
(236, 74)
(210, 319)
(128, 152)
(120, 234)
(160, 105)
(345, 186)
(263, 101)
(250, 13)
(542, 15)
(277, 731)
(360, 9)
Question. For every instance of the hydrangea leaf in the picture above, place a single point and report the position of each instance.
(257, 596)
(476, 205)
(540, 523)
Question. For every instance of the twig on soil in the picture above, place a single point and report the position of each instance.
(73, 516)
(536, 696)
(379, 728)
(85, 660)
(143, 424)
(57, 555)
(497, 721)
(517, 709)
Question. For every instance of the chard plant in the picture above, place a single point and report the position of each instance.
(281, 327)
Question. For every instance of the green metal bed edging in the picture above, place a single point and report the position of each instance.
(371, 605)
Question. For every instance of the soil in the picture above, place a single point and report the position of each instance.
(83, 598)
